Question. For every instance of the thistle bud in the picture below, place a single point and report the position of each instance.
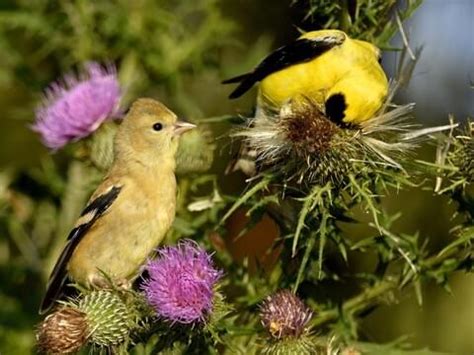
(62, 332)
(466, 159)
(101, 146)
(109, 318)
(304, 345)
(195, 153)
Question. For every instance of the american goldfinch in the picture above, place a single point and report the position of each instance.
(341, 74)
(131, 210)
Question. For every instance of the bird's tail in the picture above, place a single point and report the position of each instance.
(236, 79)
(246, 82)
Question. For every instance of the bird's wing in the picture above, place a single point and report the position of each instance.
(93, 211)
(299, 51)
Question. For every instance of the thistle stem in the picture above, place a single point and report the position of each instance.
(371, 296)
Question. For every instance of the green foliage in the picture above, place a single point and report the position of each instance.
(140, 35)
(162, 48)
(371, 20)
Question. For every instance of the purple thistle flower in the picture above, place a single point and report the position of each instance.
(74, 109)
(181, 283)
(283, 314)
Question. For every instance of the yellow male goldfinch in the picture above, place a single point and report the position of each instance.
(341, 74)
(131, 210)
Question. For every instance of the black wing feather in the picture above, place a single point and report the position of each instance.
(58, 278)
(300, 51)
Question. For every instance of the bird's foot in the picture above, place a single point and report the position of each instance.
(99, 282)
(102, 282)
(124, 284)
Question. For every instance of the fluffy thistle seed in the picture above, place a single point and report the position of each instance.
(299, 143)
(62, 332)
(284, 315)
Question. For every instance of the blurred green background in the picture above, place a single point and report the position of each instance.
(178, 52)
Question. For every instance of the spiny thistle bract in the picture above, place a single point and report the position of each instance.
(304, 345)
(108, 317)
(301, 143)
(76, 106)
(62, 332)
(455, 160)
(100, 317)
(463, 153)
(467, 161)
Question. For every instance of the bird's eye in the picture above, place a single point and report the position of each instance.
(158, 126)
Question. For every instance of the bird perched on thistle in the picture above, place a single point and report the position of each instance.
(132, 209)
(340, 74)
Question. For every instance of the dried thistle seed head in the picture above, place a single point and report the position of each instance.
(62, 332)
(300, 144)
(284, 315)
(108, 317)
(308, 129)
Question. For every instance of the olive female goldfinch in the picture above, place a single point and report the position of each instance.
(340, 74)
(132, 209)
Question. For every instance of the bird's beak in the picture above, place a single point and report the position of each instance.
(181, 126)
